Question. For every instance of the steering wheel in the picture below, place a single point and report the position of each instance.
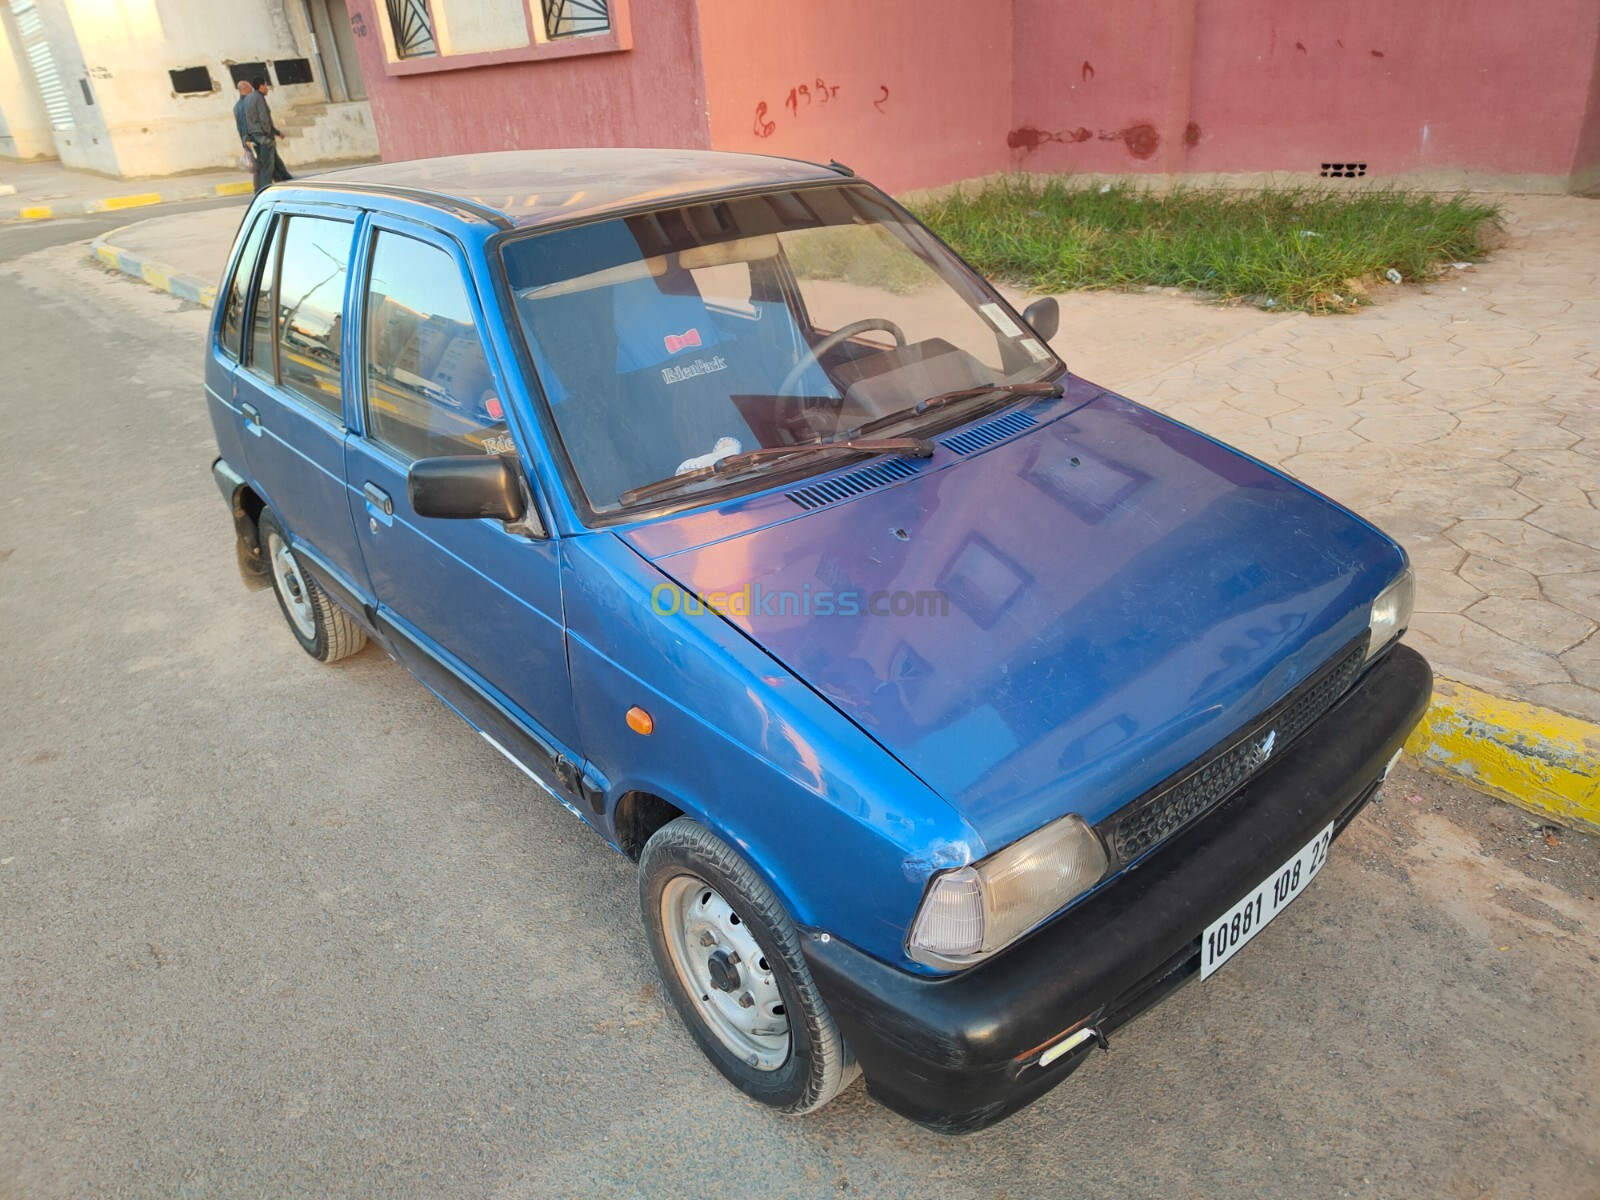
(842, 334)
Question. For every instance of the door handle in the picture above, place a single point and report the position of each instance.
(379, 499)
(252, 417)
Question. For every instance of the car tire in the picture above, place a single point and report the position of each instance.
(323, 629)
(720, 939)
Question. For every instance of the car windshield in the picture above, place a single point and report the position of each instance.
(669, 340)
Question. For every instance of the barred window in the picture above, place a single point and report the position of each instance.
(572, 18)
(412, 26)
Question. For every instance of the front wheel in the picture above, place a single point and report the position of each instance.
(730, 959)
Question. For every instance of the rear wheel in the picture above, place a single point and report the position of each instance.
(730, 959)
(323, 629)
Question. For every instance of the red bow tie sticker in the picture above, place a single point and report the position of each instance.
(675, 342)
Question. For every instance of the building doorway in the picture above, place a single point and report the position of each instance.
(336, 50)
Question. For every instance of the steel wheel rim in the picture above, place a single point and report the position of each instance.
(700, 926)
(292, 586)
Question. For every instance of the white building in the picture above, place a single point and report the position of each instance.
(146, 87)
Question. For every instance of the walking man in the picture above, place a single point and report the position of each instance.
(259, 133)
(245, 89)
(280, 173)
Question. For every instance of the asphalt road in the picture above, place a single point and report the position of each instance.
(18, 238)
(270, 928)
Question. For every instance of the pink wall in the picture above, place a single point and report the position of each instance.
(918, 92)
(648, 96)
(1258, 85)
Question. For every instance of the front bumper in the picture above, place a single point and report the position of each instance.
(960, 1053)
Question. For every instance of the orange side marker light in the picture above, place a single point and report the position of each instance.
(640, 721)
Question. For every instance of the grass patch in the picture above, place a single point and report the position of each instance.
(1296, 248)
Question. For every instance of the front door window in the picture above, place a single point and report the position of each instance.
(429, 388)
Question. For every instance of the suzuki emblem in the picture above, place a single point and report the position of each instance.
(1267, 743)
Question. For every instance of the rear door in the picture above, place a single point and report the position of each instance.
(289, 390)
(227, 342)
(472, 607)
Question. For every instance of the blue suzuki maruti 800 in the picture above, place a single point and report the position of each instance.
(955, 709)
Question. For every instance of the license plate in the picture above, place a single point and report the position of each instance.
(1228, 933)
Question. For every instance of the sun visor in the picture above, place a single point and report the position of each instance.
(628, 272)
(720, 254)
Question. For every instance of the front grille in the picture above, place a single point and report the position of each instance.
(1202, 785)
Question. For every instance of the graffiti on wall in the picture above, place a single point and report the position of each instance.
(805, 97)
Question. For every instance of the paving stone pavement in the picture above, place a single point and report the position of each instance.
(1464, 419)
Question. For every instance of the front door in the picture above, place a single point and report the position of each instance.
(472, 607)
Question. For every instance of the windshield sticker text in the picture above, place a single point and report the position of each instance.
(700, 366)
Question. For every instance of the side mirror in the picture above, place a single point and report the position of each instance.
(462, 486)
(1044, 316)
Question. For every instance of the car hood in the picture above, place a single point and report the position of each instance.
(1053, 623)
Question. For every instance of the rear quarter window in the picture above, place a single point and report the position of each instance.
(238, 288)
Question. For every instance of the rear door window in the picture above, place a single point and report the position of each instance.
(311, 279)
(259, 359)
(429, 387)
(239, 287)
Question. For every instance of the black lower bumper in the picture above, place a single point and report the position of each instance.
(960, 1053)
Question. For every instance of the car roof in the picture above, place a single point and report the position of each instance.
(536, 187)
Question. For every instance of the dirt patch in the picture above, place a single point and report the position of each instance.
(1547, 854)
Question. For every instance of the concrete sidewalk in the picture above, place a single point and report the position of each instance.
(1462, 417)
(40, 191)
(183, 254)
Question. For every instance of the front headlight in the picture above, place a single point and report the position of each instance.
(972, 911)
(1391, 613)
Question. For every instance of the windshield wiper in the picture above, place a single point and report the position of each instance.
(734, 463)
(1042, 389)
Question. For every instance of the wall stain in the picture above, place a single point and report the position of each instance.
(1191, 135)
(1088, 70)
(1377, 53)
(1300, 46)
(1028, 139)
(1142, 140)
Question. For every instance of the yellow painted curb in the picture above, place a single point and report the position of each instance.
(235, 189)
(113, 203)
(1536, 758)
(39, 212)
